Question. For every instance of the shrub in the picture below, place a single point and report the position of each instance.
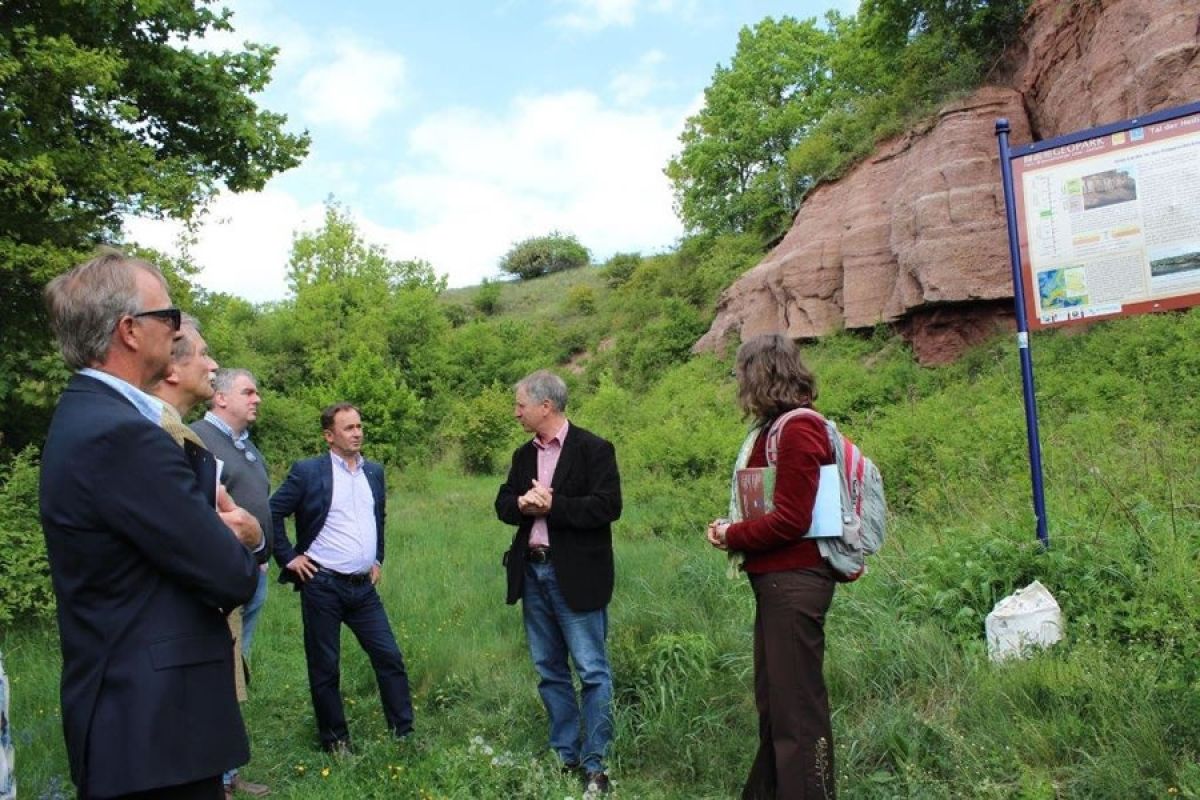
(487, 299)
(620, 268)
(25, 588)
(483, 427)
(457, 314)
(543, 255)
(581, 300)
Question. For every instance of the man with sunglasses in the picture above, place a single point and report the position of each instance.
(144, 569)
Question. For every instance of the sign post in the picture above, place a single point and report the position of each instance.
(1031, 419)
(1102, 223)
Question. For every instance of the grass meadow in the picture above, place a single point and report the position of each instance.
(1110, 713)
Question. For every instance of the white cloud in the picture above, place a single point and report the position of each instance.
(354, 88)
(243, 244)
(595, 15)
(634, 85)
(561, 161)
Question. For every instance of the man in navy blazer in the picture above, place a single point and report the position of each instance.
(338, 501)
(144, 568)
(563, 493)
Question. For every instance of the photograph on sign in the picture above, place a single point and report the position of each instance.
(1110, 225)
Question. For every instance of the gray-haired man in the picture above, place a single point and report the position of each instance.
(225, 432)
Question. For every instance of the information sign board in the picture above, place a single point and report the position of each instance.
(1108, 220)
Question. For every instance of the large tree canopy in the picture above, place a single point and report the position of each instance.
(800, 102)
(732, 173)
(109, 107)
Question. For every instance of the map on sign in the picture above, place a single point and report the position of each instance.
(1110, 224)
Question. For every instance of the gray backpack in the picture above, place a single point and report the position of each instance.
(864, 509)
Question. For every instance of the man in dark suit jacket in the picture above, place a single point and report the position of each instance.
(143, 567)
(563, 493)
(338, 500)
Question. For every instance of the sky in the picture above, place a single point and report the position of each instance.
(450, 131)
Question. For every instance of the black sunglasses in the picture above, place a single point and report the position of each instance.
(171, 316)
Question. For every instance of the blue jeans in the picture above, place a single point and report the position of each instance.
(326, 601)
(251, 610)
(554, 631)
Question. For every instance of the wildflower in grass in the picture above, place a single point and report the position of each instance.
(324, 772)
(300, 769)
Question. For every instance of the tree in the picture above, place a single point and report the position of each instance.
(360, 327)
(109, 108)
(542, 255)
(731, 175)
(339, 251)
(799, 103)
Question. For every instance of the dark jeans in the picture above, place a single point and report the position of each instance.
(795, 736)
(326, 602)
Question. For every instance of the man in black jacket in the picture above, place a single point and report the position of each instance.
(563, 493)
(143, 567)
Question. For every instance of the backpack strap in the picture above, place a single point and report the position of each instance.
(776, 430)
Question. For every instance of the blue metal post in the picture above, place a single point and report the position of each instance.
(1014, 253)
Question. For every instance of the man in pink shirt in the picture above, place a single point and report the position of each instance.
(563, 493)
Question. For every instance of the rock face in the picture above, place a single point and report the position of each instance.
(915, 235)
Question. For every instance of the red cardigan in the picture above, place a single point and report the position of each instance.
(774, 543)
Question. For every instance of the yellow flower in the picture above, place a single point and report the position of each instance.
(324, 772)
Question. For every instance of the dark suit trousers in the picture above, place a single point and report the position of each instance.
(795, 737)
(326, 602)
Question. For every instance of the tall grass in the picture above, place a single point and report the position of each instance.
(1113, 711)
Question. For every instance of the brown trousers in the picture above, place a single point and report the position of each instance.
(795, 736)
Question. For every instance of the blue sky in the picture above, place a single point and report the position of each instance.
(452, 130)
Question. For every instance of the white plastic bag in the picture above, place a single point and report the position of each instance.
(1023, 622)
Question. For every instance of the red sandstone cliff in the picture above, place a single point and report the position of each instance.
(914, 235)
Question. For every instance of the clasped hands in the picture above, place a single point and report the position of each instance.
(536, 502)
(716, 533)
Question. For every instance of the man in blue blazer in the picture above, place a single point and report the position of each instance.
(563, 493)
(338, 501)
(144, 568)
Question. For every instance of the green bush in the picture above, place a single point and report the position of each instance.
(581, 300)
(487, 299)
(483, 427)
(542, 255)
(25, 588)
(620, 268)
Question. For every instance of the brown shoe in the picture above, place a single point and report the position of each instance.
(253, 789)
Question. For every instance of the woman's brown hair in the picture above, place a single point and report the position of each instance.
(772, 379)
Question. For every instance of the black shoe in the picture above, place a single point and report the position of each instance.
(572, 769)
(596, 785)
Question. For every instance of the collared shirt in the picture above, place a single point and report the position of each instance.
(347, 541)
(239, 439)
(547, 461)
(147, 405)
(224, 428)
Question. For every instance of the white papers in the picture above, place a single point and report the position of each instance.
(220, 467)
(827, 510)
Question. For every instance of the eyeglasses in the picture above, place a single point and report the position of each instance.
(171, 316)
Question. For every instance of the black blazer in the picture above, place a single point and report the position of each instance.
(587, 500)
(307, 492)
(141, 566)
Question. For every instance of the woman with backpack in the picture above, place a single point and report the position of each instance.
(793, 585)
